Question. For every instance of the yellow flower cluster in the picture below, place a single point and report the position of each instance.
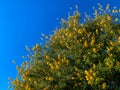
(15, 82)
(94, 50)
(109, 49)
(109, 18)
(104, 85)
(90, 75)
(104, 21)
(56, 64)
(36, 47)
(49, 78)
(24, 77)
(77, 74)
(27, 87)
(85, 43)
(100, 45)
(22, 85)
(92, 41)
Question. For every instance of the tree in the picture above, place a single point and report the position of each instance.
(77, 57)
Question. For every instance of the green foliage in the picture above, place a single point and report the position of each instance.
(77, 57)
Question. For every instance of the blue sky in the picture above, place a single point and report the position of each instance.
(23, 21)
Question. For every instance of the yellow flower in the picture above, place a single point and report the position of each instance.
(113, 11)
(96, 31)
(87, 78)
(75, 29)
(92, 41)
(50, 79)
(91, 78)
(79, 31)
(85, 43)
(70, 35)
(47, 78)
(69, 24)
(51, 66)
(75, 21)
(47, 63)
(58, 63)
(37, 46)
(104, 85)
(47, 57)
(24, 77)
(56, 37)
(94, 50)
(30, 79)
(73, 78)
(104, 25)
(86, 72)
(27, 87)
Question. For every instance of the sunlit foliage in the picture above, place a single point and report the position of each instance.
(78, 56)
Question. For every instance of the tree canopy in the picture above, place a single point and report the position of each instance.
(78, 56)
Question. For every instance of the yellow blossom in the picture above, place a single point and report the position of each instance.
(73, 78)
(50, 78)
(92, 41)
(94, 50)
(86, 72)
(47, 63)
(96, 31)
(47, 57)
(85, 43)
(104, 85)
(79, 31)
(70, 35)
(87, 78)
(91, 78)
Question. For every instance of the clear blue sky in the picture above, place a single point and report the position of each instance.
(23, 21)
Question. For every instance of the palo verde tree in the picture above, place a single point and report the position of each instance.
(78, 56)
